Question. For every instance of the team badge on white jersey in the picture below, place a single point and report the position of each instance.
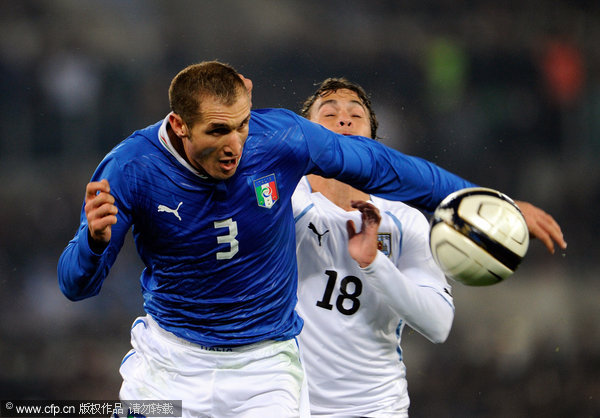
(266, 191)
(384, 243)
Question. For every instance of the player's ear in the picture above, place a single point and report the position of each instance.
(247, 84)
(178, 125)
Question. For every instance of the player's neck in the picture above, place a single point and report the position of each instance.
(337, 192)
(177, 144)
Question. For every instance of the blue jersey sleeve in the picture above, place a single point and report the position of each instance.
(81, 271)
(377, 169)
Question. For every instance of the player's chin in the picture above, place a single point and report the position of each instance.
(224, 172)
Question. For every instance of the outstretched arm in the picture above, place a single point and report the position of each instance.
(372, 167)
(542, 226)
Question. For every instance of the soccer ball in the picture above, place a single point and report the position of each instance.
(478, 236)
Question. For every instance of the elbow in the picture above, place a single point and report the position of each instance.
(440, 337)
(72, 296)
(73, 290)
(440, 334)
(436, 332)
(67, 286)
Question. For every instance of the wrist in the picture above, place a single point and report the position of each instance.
(96, 246)
(367, 261)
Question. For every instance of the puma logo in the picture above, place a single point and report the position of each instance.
(313, 228)
(163, 208)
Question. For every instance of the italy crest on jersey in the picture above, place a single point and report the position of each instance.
(384, 243)
(266, 191)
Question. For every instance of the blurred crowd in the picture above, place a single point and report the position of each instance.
(506, 95)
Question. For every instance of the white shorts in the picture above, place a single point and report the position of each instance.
(263, 380)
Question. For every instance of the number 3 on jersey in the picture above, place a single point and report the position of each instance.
(346, 302)
(227, 239)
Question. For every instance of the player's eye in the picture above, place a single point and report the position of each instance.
(219, 131)
(244, 123)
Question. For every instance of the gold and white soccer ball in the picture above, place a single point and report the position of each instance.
(478, 236)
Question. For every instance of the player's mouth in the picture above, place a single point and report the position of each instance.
(228, 164)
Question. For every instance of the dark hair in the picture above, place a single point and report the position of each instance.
(198, 81)
(331, 85)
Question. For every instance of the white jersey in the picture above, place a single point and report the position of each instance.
(353, 317)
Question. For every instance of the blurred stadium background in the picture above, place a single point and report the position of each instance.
(506, 94)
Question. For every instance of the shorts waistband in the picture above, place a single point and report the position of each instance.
(155, 327)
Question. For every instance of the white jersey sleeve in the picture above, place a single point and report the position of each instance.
(414, 285)
(353, 317)
(425, 305)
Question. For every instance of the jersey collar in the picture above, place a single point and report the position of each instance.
(163, 138)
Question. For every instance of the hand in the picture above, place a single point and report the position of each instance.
(362, 246)
(100, 211)
(542, 226)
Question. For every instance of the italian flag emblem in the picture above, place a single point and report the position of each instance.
(266, 191)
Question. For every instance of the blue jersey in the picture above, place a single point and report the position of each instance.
(220, 260)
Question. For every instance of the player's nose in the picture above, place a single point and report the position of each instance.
(344, 118)
(234, 145)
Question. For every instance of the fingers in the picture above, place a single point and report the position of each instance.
(370, 220)
(558, 237)
(351, 229)
(362, 246)
(536, 231)
(542, 226)
(549, 232)
(98, 199)
(96, 187)
(369, 213)
(100, 210)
